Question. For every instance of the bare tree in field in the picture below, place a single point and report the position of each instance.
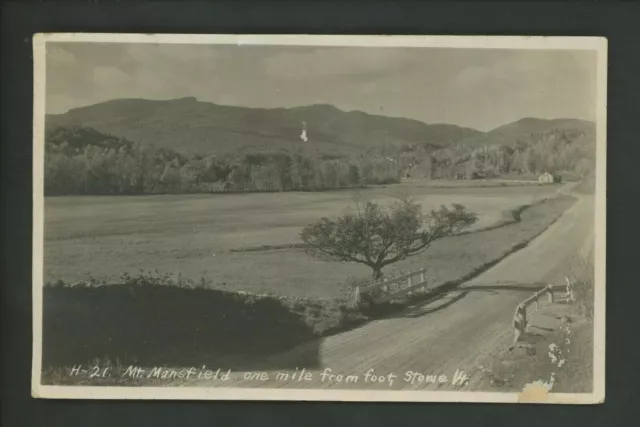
(376, 236)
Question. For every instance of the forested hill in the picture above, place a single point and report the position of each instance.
(531, 125)
(138, 147)
(523, 130)
(522, 149)
(190, 126)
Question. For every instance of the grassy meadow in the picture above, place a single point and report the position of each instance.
(206, 235)
(148, 323)
(572, 342)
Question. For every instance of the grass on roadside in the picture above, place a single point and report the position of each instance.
(562, 358)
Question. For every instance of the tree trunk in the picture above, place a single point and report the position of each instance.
(377, 273)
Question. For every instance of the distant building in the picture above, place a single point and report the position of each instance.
(547, 178)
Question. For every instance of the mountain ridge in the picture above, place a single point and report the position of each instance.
(192, 126)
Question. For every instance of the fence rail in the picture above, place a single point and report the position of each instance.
(393, 288)
(520, 316)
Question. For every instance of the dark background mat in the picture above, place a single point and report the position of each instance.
(618, 21)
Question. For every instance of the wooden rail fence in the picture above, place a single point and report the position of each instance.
(520, 316)
(393, 288)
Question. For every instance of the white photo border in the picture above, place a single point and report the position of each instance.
(598, 44)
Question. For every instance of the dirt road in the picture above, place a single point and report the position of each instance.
(461, 331)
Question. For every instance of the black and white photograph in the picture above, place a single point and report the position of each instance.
(306, 217)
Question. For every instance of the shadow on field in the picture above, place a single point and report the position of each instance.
(167, 326)
(447, 295)
(447, 299)
(423, 311)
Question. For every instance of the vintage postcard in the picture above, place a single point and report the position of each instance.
(298, 217)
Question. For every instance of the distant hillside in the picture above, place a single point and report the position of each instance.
(524, 148)
(529, 125)
(75, 139)
(134, 146)
(523, 130)
(190, 126)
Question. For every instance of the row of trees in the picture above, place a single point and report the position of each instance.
(556, 151)
(378, 236)
(84, 161)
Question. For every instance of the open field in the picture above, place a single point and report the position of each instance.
(194, 234)
(114, 326)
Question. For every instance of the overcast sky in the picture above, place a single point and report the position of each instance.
(477, 88)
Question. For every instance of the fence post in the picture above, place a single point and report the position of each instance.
(409, 285)
(537, 303)
(519, 323)
(356, 296)
(422, 280)
(550, 293)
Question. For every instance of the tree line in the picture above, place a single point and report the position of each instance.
(555, 151)
(81, 160)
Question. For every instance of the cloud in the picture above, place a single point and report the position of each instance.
(471, 87)
(110, 77)
(59, 57)
(173, 55)
(546, 84)
(525, 69)
(162, 71)
(58, 103)
(329, 63)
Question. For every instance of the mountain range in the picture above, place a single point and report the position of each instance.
(190, 126)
